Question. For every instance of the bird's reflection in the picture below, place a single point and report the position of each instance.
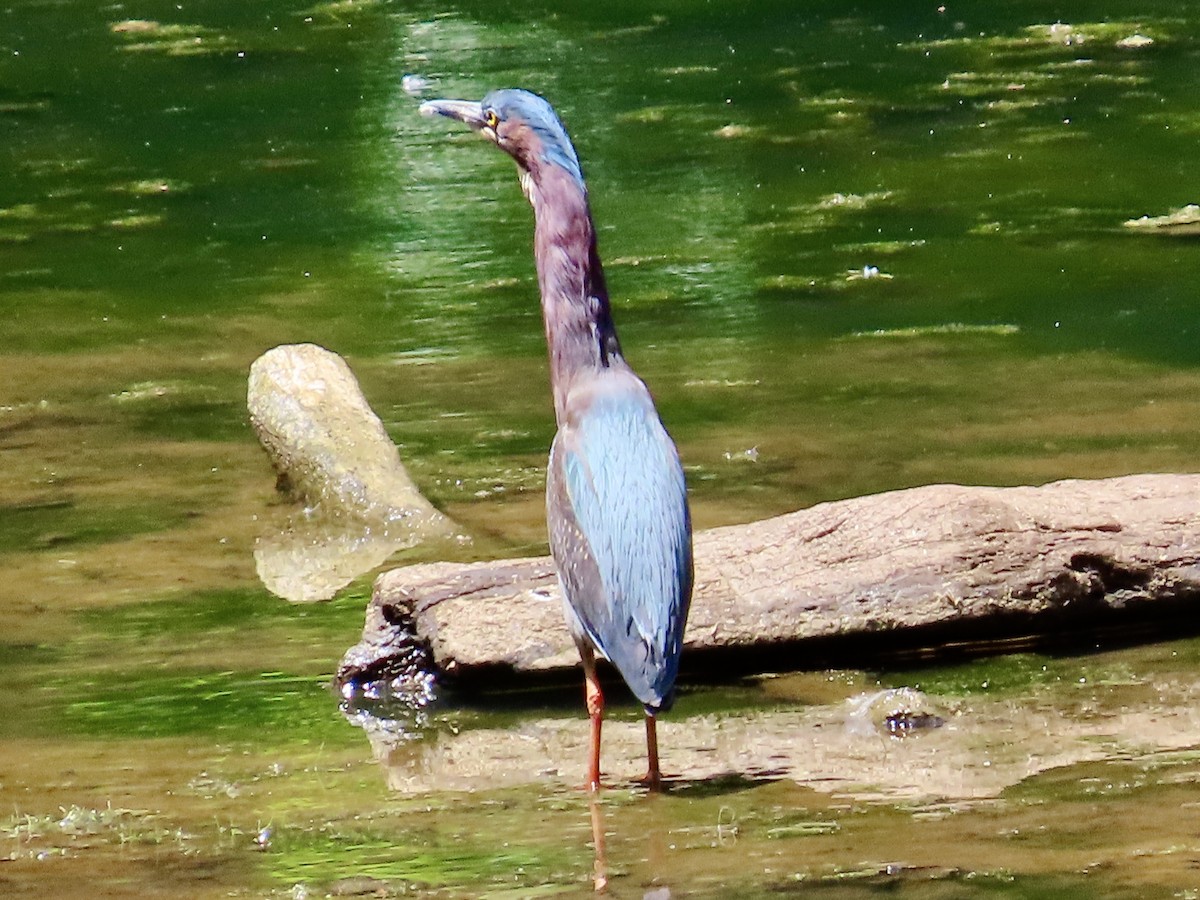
(526, 769)
(650, 837)
(600, 865)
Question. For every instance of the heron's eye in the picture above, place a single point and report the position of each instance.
(491, 119)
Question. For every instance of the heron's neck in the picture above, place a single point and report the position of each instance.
(579, 327)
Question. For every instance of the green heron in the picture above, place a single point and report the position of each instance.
(616, 502)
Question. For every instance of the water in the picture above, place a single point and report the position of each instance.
(851, 248)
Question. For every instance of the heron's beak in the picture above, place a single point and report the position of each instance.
(466, 111)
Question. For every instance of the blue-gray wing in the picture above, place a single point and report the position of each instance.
(620, 533)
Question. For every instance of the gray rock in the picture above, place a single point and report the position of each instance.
(332, 453)
(951, 562)
(324, 440)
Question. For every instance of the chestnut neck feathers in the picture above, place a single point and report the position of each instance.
(575, 308)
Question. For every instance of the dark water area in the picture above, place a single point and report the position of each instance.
(851, 248)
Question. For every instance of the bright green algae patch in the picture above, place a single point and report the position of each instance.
(224, 705)
(50, 524)
(160, 669)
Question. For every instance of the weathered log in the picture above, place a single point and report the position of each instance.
(953, 558)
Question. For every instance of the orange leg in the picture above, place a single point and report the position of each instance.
(595, 708)
(653, 777)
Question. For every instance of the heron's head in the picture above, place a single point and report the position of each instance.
(520, 123)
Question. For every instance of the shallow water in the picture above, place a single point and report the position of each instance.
(851, 248)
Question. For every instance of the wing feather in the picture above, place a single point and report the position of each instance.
(620, 533)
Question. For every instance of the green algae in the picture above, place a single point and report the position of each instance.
(171, 39)
(54, 523)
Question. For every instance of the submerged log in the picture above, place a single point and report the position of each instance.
(946, 561)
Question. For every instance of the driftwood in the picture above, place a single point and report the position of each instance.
(944, 561)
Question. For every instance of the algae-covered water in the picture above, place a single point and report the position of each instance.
(851, 247)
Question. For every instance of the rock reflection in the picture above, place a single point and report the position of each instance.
(984, 745)
(313, 555)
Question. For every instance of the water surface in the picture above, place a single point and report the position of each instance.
(851, 247)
